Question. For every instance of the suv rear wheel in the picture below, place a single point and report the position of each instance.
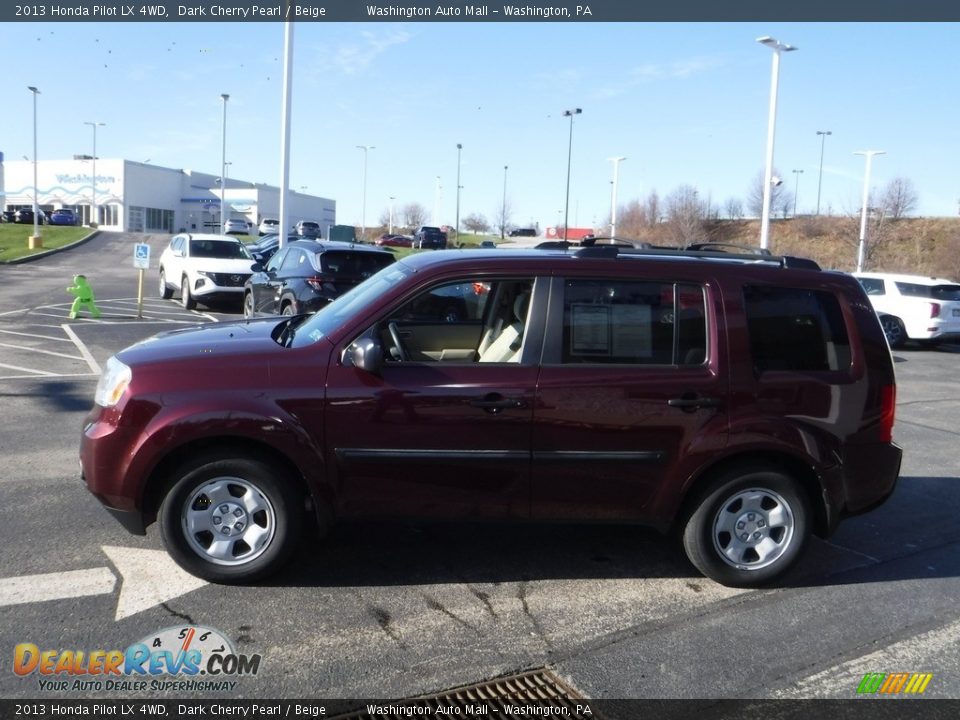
(231, 519)
(749, 528)
(894, 330)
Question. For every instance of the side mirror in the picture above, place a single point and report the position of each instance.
(256, 267)
(365, 353)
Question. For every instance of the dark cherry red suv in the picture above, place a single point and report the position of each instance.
(746, 401)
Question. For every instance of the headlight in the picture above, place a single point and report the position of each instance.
(113, 381)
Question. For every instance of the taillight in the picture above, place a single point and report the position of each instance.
(318, 283)
(888, 407)
(934, 310)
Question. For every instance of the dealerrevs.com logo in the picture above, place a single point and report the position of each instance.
(196, 658)
(894, 683)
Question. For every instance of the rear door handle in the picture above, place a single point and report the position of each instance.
(689, 403)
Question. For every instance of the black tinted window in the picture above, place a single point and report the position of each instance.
(218, 249)
(353, 264)
(795, 329)
(620, 321)
(873, 286)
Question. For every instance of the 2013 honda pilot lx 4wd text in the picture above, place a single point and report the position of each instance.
(745, 401)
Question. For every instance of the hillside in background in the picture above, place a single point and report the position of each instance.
(920, 246)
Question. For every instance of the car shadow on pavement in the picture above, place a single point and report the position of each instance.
(59, 396)
(882, 545)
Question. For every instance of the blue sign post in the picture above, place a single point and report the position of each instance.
(141, 261)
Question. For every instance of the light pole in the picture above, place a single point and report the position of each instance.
(94, 215)
(613, 195)
(223, 162)
(436, 202)
(456, 227)
(566, 205)
(390, 229)
(503, 205)
(777, 47)
(35, 240)
(823, 139)
(363, 207)
(861, 247)
(796, 189)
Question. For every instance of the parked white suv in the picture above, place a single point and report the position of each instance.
(914, 307)
(269, 226)
(204, 267)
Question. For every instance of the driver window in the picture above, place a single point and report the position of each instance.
(467, 320)
(275, 261)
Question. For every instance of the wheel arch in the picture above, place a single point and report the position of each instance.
(805, 475)
(161, 478)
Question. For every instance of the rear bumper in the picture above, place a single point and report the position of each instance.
(871, 472)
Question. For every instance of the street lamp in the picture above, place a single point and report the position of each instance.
(823, 139)
(390, 229)
(223, 163)
(436, 202)
(456, 227)
(796, 189)
(868, 154)
(613, 195)
(566, 206)
(94, 215)
(363, 208)
(503, 205)
(36, 219)
(777, 47)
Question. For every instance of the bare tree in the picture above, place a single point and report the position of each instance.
(475, 222)
(899, 198)
(780, 200)
(413, 215)
(734, 208)
(686, 213)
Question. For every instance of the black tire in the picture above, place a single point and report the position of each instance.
(245, 496)
(894, 330)
(186, 299)
(287, 310)
(248, 311)
(768, 507)
(165, 291)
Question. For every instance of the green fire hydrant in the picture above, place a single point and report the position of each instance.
(83, 297)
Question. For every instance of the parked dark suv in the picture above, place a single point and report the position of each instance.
(744, 401)
(306, 275)
(430, 238)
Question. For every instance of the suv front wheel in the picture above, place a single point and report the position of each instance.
(231, 519)
(749, 528)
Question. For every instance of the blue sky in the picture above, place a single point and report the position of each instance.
(685, 103)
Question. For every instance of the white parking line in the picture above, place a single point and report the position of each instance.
(94, 366)
(38, 350)
(38, 337)
(26, 370)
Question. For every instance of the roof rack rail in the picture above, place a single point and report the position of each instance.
(613, 251)
(719, 246)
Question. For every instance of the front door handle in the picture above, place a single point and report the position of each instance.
(689, 403)
(494, 403)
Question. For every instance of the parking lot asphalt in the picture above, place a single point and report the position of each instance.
(396, 609)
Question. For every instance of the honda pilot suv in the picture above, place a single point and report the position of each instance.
(743, 401)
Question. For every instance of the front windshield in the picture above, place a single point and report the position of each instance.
(351, 303)
(221, 249)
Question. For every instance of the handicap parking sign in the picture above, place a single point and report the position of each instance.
(141, 256)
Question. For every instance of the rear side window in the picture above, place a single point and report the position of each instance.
(352, 264)
(633, 322)
(872, 286)
(796, 329)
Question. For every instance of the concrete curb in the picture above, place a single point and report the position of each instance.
(51, 251)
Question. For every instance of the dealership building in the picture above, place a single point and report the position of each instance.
(139, 197)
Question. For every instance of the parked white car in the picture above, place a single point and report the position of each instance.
(236, 226)
(914, 307)
(269, 226)
(204, 267)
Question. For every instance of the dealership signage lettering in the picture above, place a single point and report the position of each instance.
(69, 179)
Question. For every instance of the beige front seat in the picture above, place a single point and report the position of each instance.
(507, 345)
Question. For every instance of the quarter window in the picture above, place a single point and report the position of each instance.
(633, 322)
(796, 330)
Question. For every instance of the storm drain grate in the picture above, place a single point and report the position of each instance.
(534, 693)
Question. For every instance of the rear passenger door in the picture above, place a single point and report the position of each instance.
(631, 397)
